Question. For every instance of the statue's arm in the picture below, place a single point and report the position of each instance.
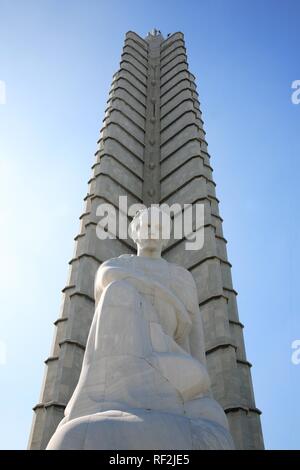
(190, 298)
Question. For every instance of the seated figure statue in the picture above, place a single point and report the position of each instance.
(144, 383)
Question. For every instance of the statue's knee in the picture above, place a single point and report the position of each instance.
(207, 408)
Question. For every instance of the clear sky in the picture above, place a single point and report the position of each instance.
(57, 59)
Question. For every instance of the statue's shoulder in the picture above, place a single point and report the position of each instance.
(183, 283)
(117, 261)
(182, 273)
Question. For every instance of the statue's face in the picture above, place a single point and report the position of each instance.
(149, 229)
(148, 234)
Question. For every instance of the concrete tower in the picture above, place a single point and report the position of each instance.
(152, 149)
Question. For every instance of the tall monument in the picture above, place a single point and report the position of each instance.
(152, 149)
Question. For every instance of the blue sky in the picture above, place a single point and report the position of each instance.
(57, 59)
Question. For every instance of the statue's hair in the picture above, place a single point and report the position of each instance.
(135, 224)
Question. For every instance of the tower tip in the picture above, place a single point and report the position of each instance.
(154, 33)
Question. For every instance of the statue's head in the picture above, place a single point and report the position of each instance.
(150, 229)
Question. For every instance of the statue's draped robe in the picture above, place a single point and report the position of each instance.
(143, 382)
(146, 347)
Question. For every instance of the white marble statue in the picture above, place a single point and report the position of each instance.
(144, 383)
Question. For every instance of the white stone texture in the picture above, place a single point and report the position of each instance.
(143, 382)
